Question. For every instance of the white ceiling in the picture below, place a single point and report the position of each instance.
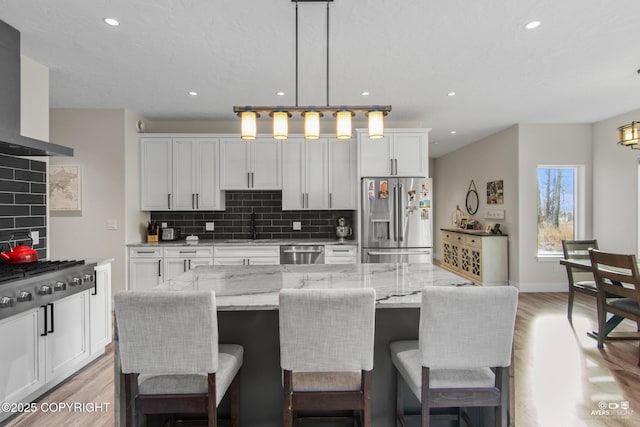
(579, 66)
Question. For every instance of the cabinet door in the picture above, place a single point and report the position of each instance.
(317, 174)
(22, 356)
(342, 174)
(196, 262)
(375, 155)
(266, 164)
(410, 152)
(208, 194)
(100, 309)
(184, 174)
(145, 273)
(293, 174)
(234, 164)
(68, 342)
(155, 174)
(174, 267)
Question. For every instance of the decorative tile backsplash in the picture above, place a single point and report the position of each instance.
(23, 201)
(271, 221)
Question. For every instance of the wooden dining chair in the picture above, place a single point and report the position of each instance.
(326, 353)
(171, 358)
(463, 352)
(580, 281)
(616, 275)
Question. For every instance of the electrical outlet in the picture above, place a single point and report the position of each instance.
(163, 225)
(35, 236)
(297, 226)
(494, 214)
(208, 226)
(112, 224)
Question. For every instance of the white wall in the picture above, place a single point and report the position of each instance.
(545, 144)
(490, 159)
(97, 137)
(34, 99)
(615, 187)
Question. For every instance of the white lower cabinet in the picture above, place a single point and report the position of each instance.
(340, 254)
(100, 309)
(145, 267)
(246, 255)
(179, 260)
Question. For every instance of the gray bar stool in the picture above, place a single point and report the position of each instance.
(463, 353)
(326, 351)
(170, 355)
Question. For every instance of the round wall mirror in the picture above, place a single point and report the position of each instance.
(472, 199)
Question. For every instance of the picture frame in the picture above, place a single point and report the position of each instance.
(463, 223)
(65, 188)
(495, 192)
(488, 227)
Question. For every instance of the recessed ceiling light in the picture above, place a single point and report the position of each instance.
(451, 94)
(365, 93)
(533, 24)
(111, 21)
(193, 93)
(280, 93)
(453, 132)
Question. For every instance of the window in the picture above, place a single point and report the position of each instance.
(557, 206)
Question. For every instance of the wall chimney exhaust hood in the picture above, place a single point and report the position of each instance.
(11, 142)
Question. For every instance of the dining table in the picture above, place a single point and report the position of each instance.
(584, 264)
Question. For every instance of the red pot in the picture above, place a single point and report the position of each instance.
(19, 255)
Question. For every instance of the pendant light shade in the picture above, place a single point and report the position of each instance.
(343, 124)
(311, 124)
(280, 124)
(629, 135)
(248, 126)
(376, 124)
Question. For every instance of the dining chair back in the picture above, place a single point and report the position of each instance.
(170, 356)
(463, 352)
(618, 284)
(326, 351)
(579, 280)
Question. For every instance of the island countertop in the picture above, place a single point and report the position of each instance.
(256, 287)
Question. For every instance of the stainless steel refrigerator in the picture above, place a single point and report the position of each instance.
(397, 220)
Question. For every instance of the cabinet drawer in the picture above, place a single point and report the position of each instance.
(248, 251)
(340, 251)
(189, 252)
(145, 252)
(341, 260)
(475, 241)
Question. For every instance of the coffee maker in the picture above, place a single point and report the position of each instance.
(343, 230)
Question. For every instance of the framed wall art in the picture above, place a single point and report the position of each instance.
(65, 188)
(495, 194)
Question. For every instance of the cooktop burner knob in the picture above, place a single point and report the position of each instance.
(60, 286)
(25, 296)
(88, 277)
(76, 281)
(6, 302)
(45, 290)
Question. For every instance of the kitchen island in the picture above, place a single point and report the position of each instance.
(247, 300)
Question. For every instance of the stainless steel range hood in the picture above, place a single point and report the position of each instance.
(11, 142)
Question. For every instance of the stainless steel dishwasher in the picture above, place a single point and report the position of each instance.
(302, 254)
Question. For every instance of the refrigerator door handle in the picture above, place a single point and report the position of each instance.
(395, 218)
(400, 214)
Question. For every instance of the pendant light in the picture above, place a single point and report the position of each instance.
(376, 124)
(629, 135)
(248, 124)
(280, 124)
(312, 124)
(312, 114)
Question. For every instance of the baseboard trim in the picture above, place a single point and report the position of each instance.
(540, 287)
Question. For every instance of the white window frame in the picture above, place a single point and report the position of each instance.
(579, 207)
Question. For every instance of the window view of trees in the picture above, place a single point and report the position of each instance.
(556, 208)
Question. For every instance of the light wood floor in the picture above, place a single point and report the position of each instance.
(561, 377)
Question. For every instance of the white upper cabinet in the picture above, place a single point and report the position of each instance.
(155, 174)
(180, 174)
(401, 152)
(250, 165)
(318, 174)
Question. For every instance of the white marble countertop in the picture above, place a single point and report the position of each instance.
(243, 242)
(256, 287)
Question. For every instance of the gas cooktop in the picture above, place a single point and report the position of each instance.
(10, 272)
